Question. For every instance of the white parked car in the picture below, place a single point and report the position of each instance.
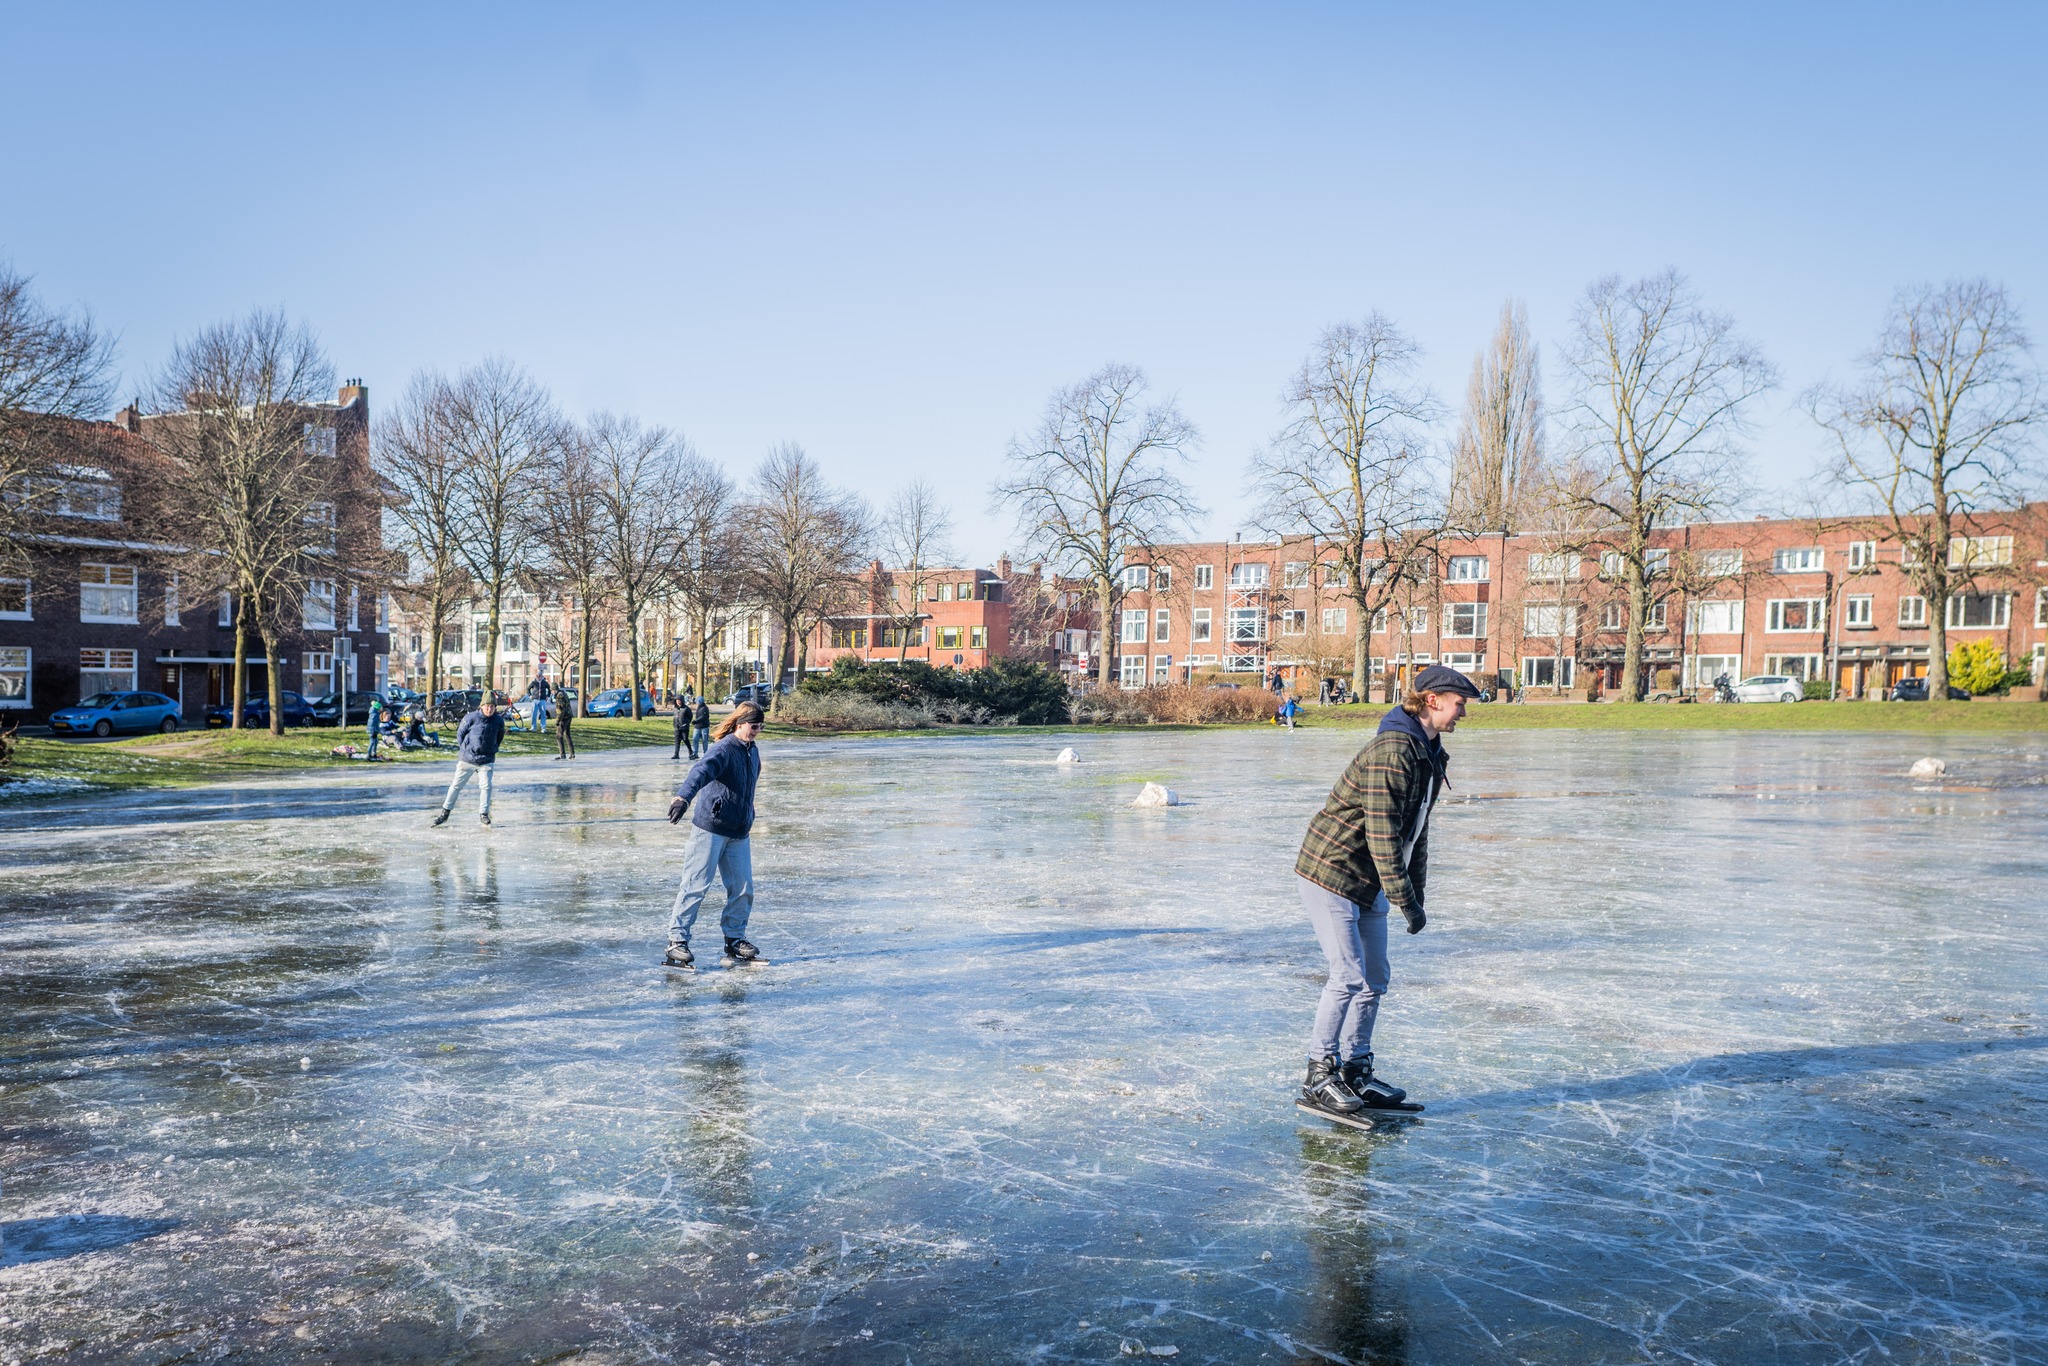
(1769, 688)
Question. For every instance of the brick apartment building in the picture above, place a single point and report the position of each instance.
(1803, 598)
(102, 608)
(965, 619)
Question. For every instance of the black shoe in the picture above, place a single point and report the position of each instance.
(1374, 1093)
(741, 951)
(1324, 1089)
(679, 956)
(440, 817)
(484, 818)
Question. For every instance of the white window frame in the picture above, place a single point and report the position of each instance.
(104, 504)
(1335, 620)
(320, 517)
(1912, 610)
(1798, 559)
(1294, 621)
(1296, 574)
(1613, 616)
(312, 598)
(1468, 569)
(1247, 625)
(1418, 621)
(316, 664)
(17, 661)
(1130, 672)
(2001, 611)
(1135, 619)
(1799, 666)
(1563, 621)
(1859, 612)
(319, 439)
(1137, 578)
(1977, 552)
(1162, 668)
(1335, 575)
(1204, 624)
(109, 581)
(1531, 666)
(1862, 554)
(174, 610)
(1474, 624)
(354, 608)
(1205, 576)
(109, 664)
(1250, 574)
(1656, 560)
(224, 614)
(1550, 565)
(1702, 669)
(1775, 613)
(384, 612)
(28, 601)
(2040, 608)
(1162, 624)
(1728, 609)
(1721, 563)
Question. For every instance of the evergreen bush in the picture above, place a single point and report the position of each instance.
(1978, 666)
(1005, 692)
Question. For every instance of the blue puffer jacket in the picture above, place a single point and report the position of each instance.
(725, 779)
(478, 737)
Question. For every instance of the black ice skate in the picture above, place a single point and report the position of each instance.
(484, 819)
(1324, 1095)
(440, 817)
(680, 958)
(740, 951)
(1374, 1093)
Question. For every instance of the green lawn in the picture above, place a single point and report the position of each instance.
(1982, 715)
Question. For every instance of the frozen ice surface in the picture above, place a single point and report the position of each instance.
(1732, 1047)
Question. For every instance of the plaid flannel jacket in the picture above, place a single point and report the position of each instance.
(1354, 844)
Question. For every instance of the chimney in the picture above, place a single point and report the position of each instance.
(352, 391)
(1003, 567)
(129, 419)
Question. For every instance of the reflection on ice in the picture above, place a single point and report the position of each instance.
(1709, 1078)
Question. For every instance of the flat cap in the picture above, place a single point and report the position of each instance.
(1443, 678)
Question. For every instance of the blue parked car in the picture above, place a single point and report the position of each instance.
(619, 702)
(106, 712)
(256, 712)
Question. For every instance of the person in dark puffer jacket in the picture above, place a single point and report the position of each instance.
(476, 756)
(1367, 853)
(721, 785)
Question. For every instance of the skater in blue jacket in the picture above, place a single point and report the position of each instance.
(721, 785)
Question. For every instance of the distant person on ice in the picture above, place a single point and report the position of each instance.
(722, 786)
(1367, 852)
(476, 756)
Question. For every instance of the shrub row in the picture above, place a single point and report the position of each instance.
(1182, 704)
(1006, 692)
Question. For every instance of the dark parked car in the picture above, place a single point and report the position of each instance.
(358, 708)
(1915, 690)
(256, 712)
(399, 698)
(757, 693)
(619, 702)
(106, 712)
(457, 703)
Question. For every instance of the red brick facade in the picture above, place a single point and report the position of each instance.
(1799, 597)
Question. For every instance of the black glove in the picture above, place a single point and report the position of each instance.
(676, 809)
(1415, 918)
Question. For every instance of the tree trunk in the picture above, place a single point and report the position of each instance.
(782, 669)
(238, 686)
(1638, 612)
(491, 644)
(1105, 610)
(803, 656)
(633, 658)
(438, 619)
(703, 629)
(1938, 589)
(583, 657)
(267, 637)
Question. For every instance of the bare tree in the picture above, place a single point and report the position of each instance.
(805, 540)
(1094, 483)
(414, 452)
(709, 574)
(1565, 523)
(503, 431)
(245, 494)
(1498, 455)
(53, 366)
(1352, 469)
(1938, 428)
(1663, 388)
(916, 531)
(565, 519)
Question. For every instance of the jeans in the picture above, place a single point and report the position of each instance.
(374, 729)
(1355, 946)
(705, 856)
(464, 771)
(565, 743)
(540, 715)
(701, 741)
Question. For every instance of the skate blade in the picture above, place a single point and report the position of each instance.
(1361, 1120)
(747, 963)
(1406, 1107)
(678, 967)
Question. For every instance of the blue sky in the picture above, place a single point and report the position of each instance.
(888, 232)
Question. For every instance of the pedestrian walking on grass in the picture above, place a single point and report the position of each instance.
(681, 721)
(565, 743)
(1367, 853)
(476, 756)
(721, 785)
(700, 725)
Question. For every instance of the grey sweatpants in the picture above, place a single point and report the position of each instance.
(1355, 946)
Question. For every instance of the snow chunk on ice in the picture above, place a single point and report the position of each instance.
(1928, 768)
(1155, 795)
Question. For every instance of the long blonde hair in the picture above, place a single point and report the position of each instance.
(746, 713)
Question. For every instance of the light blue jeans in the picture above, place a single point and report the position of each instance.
(464, 771)
(1355, 946)
(705, 857)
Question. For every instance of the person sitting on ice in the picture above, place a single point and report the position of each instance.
(1366, 853)
(417, 736)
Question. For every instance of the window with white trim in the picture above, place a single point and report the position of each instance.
(1295, 574)
(319, 439)
(1162, 624)
(14, 600)
(319, 521)
(1656, 560)
(93, 500)
(1247, 624)
(1465, 618)
(174, 611)
(1379, 620)
(1804, 559)
(1793, 614)
(1702, 670)
(1131, 671)
(1976, 552)
(1912, 611)
(107, 592)
(14, 675)
(1294, 621)
(1244, 575)
(105, 671)
(1721, 563)
(1162, 668)
(1205, 576)
(2041, 607)
(1716, 617)
(384, 611)
(1547, 671)
(354, 608)
(316, 609)
(1858, 612)
(1203, 626)
(1980, 611)
(1418, 621)
(1800, 667)
(316, 673)
(1553, 565)
(1335, 621)
(1550, 619)
(1335, 576)
(1862, 554)
(1137, 578)
(225, 614)
(1134, 626)
(1467, 569)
